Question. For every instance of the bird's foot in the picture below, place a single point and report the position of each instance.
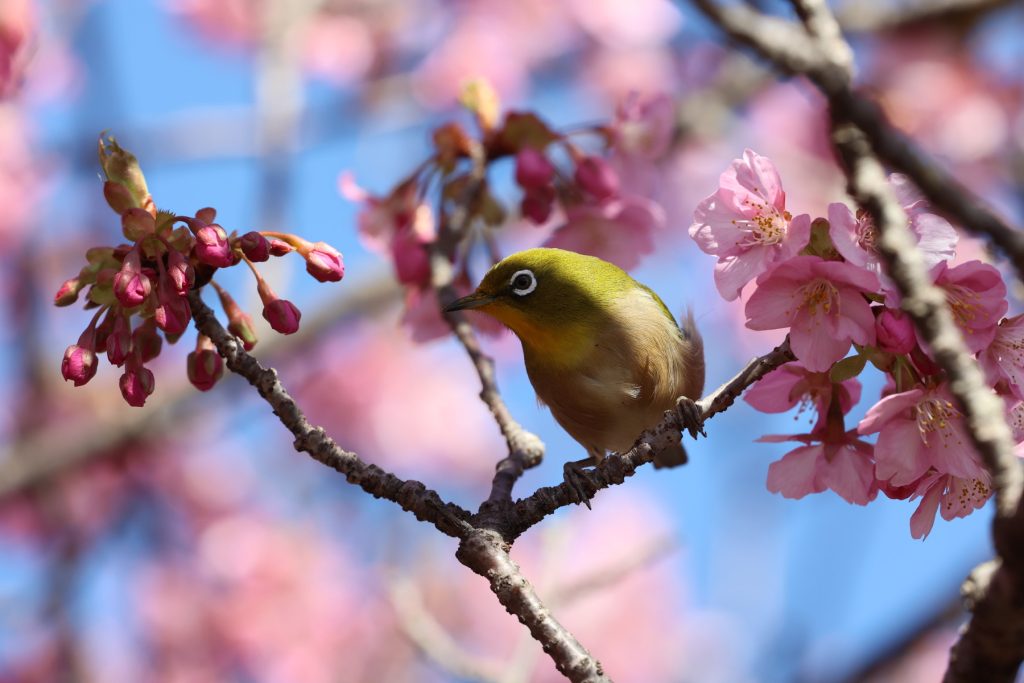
(576, 479)
(691, 416)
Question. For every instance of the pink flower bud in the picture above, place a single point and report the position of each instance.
(146, 341)
(239, 322)
(137, 384)
(212, 246)
(205, 367)
(282, 315)
(172, 314)
(537, 204)
(895, 332)
(68, 292)
(324, 262)
(279, 247)
(596, 177)
(180, 272)
(131, 285)
(255, 246)
(119, 341)
(533, 170)
(79, 364)
(136, 224)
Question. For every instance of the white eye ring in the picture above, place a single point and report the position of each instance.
(523, 291)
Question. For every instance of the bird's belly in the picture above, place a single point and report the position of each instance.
(603, 412)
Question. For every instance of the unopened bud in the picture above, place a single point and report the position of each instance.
(533, 170)
(895, 332)
(137, 383)
(255, 246)
(204, 366)
(212, 246)
(68, 292)
(596, 177)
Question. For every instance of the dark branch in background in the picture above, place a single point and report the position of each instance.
(858, 15)
(525, 450)
(991, 647)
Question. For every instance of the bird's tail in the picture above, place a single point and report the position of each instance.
(670, 455)
(693, 355)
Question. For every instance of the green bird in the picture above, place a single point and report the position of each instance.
(602, 351)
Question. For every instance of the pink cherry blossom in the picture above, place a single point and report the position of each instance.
(920, 431)
(620, 230)
(839, 462)
(792, 384)
(855, 236)
(643, 126)
(976, 295)
(821, 301)
(1003, 360)
(746, 225)
(952, 496)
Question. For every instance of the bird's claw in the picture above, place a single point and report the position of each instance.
(691, 416)
(579, 485)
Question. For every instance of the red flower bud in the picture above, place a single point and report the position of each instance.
(212, 246)
(79, 364)
(895, 332)
(180, 272)
(68, 292)
(533, 170)
(596, 177)
(146, 341)
(204, 365)
(282, 315)
(537, 204)
(255, 246)
(137, 384)
(119, 341)
(172, 313)
(323, 262)
(279, 247)
(131, 284)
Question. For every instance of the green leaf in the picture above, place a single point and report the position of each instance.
(848, 368)
(523, 129)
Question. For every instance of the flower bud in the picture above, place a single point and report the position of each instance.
(68, 292)
(118, 197)
(137, 384)
(121, 167)
(323, 261)
(79, 364)
(411, 259)
(212, 246)
(204, 366)
(537, 204)
(895, 332)
(282, 315)
(279, 247)
(596, 177)
(137, 224)
(119, 341)
(255, 246)
(239, 322)
(533, 170)
(172, 314)
(180, 272)
(146, 341)
(131, 284)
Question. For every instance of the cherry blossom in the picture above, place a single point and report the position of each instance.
(746, 225)
(822, 301)
(840, 462)
(1003, 360)
(976, 295)
(792, 385)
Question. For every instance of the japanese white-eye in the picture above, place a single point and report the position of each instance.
(602, 351)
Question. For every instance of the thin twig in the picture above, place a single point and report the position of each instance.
(525, 450)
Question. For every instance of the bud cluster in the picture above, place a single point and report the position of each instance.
(140, 288)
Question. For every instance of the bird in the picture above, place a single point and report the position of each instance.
(602, 351)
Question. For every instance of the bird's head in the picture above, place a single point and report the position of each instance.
(552, 299)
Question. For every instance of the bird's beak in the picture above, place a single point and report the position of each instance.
(474, 300)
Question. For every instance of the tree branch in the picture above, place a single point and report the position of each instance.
(616, 468)
(794, 52)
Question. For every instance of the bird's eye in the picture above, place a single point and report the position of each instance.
(523, 282)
